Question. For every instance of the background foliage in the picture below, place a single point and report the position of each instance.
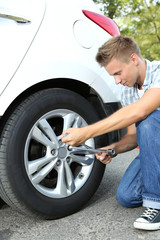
(139, 19)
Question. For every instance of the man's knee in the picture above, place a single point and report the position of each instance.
(127, 200)
(123, 199)
(146, 125)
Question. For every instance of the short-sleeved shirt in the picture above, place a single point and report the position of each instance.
(152, 80)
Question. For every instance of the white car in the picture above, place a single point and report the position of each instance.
(50, 81)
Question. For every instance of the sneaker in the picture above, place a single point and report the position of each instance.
(149, 220)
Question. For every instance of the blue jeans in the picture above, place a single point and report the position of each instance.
(140, 184)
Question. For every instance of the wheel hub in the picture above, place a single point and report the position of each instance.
(62, 152)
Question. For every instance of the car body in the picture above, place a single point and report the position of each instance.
(50, 81)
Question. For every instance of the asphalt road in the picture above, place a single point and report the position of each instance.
(101, 219)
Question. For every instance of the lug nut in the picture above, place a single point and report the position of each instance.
(58, 163)
(53, 152)
(68, 159)
(81, 175)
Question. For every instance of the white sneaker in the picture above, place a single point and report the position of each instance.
(149, 220)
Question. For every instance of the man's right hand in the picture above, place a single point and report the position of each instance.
(74, 136)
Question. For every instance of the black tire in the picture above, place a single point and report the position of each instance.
(1, 203)
(19, 148)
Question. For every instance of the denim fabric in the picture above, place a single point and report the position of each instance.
(140, 184)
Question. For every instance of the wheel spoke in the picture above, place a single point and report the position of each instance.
(68, 120)
(69, 178)
(39, 136)
(46, 128)
(61, 187)
(78, 122)
(39, 176)
(34, 166)
(82, 160)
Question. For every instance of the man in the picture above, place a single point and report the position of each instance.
(140, 78)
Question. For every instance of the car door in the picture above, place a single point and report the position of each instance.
(19, 23)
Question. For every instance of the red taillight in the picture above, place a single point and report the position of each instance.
(104, 22)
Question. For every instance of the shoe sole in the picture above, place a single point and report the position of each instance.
(147, 226)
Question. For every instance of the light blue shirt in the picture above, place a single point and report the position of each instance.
(152, 80)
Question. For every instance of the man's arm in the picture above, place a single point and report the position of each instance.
(120, 119)
(128, 142)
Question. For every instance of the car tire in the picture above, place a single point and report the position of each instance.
(27, 139)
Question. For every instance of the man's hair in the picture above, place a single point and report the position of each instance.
(120, 48)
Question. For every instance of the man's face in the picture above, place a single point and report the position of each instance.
(124, 73)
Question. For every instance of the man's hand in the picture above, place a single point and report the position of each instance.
(74, 136)
(103, 157)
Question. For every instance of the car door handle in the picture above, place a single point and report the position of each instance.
(14, 18)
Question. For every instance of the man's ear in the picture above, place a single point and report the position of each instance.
(134, 58)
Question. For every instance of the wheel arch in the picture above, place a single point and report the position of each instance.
(76, 86)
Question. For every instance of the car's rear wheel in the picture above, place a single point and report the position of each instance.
(38, 173)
